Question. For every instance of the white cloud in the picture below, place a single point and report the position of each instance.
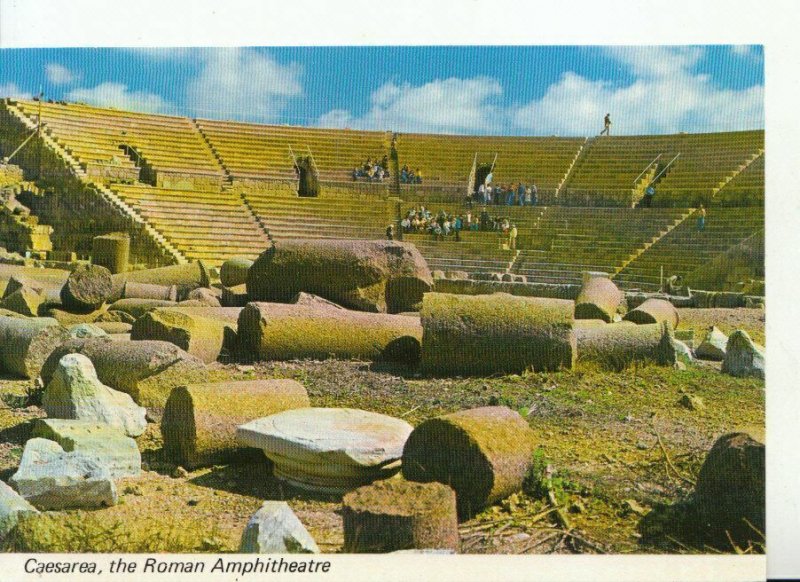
(118, 95)
(748, 51)
(668, 96)
(12, 90)
(445, 106)
(59, 74)
(241, 83)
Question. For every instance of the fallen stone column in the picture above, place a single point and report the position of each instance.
(617, 345)
(185, 277)
(234, 271)
(87, 288)
(278, 331)
(136, 307)
(654, 311)
(599, 298)
(112, 251)
(394, 515)
(482, 453)
(376, 276)
(25, 344)
(486, 334)
(147, 370)
(149, 291)
(200, 420)
(204, 332)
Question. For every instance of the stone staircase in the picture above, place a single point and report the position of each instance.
(110, 197)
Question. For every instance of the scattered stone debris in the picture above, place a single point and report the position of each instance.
(744, 357)
(713, 346)
(275, 529)
(692, 402)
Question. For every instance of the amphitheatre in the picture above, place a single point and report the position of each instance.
(208, 344)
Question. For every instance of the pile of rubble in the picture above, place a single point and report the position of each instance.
(114, 351)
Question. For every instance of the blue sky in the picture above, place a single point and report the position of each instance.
(493, 90)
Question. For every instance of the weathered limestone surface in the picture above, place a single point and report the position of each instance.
(654, 311)
(731, 488)
(12, 506)
(713, 346)
(599, 298)
(275, 529)
(328, 450)
(185, 277)
(87, 288)
(203, 332)
(744, 357)
(76, 393)
(50, 478)
(617, 345)
(106, 443)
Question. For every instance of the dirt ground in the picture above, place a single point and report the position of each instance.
(620, 444)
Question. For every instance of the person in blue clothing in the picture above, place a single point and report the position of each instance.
(510, 196)
(521, 194)
(701, 218)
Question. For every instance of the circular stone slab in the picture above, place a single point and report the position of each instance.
(329, 450)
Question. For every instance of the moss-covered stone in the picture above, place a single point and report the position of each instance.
(482, 453)
(373, 276)
(87, 288)
(203, 332)
(112, 251)
(26, 343)
(200, 420)
(486, 334)
(278, 331)
(730, 489)
(395, 514)
(233, 272)
(617, 345)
